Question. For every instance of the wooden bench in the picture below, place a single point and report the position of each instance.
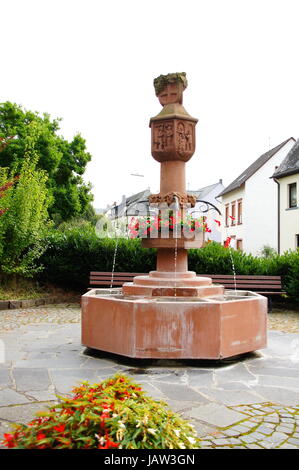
(264, 285)
(105, 278)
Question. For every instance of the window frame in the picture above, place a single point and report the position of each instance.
(233, 213)
(240, 213)
(290, 187)
(226, 215)
(239, 240)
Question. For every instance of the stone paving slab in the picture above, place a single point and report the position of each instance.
(215, 414)
(10, 397)
(22, 413)
(5, 378)
(31, 379)
(233, 397)
(251, 401)
(236, 373)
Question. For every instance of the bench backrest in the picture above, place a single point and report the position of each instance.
(105, 278)
(255, 282)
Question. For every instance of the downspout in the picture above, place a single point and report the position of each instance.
(278, 216)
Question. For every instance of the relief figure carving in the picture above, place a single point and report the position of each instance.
(163, 136)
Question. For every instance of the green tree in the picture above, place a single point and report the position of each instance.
(65, 162)
(23, 204)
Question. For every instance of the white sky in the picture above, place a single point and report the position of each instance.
(92, 62)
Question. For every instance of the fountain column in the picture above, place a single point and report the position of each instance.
(172, 145)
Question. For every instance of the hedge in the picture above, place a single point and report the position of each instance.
(72, 254)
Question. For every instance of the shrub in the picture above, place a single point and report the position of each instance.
(74, 251)
(267, 251)
(113, 414)
(25, 222)
(214, 258)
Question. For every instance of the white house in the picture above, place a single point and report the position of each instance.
(249, 203)
(209, 194)
(287, 178)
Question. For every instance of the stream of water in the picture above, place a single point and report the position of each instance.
(233, 267)
(114, 261)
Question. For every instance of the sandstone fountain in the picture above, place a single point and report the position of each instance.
(172, 312)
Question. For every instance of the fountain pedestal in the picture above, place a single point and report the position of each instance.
(173, 313)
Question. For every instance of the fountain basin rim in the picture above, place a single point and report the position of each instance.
(116, 294)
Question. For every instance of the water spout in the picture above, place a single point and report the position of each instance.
(176, 203)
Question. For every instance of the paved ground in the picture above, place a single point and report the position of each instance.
(247, 402)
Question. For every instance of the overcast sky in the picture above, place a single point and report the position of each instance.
(93, 62)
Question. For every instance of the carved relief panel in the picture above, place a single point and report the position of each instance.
(173, 139)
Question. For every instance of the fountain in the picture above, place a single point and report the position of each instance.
(171, 312)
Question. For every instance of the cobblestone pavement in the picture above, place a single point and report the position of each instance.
(55, 313)
(287, 321)
(248, 402)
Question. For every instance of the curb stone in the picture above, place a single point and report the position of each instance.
(28, 303)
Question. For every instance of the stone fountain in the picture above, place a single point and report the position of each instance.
(171, 312)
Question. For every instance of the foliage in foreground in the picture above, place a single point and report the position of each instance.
(113, 414)
(24, 217)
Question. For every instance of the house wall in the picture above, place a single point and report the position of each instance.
(212, 214)
(233, 229)
(261, 205)
(259, 197)
(289, 217)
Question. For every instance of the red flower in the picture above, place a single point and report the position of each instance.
(108, 444)
(9, 440)
(218, 222)
(134, 233)
(41, 436)
(59, 428)
(227, 242)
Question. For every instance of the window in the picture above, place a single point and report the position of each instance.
(233, 220)
(233, 241)
(226, 214)
(297, 240)
(239, 244)
(240, 211)
(292, 195)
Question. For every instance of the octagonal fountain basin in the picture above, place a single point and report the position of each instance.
(174, 327)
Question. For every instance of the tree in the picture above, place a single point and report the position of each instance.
(23, 207)
(65, 162)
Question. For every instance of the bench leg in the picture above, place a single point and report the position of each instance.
(270, 306)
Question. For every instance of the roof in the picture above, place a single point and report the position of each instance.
(290, 164)
(138, 196)
(238, 182)
(128, 205)
(203, 192)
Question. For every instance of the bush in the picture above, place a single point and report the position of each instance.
(76, 250)
(24, 223)
(214, 258)
(113, 414)
(73, 253)
(267, 251)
